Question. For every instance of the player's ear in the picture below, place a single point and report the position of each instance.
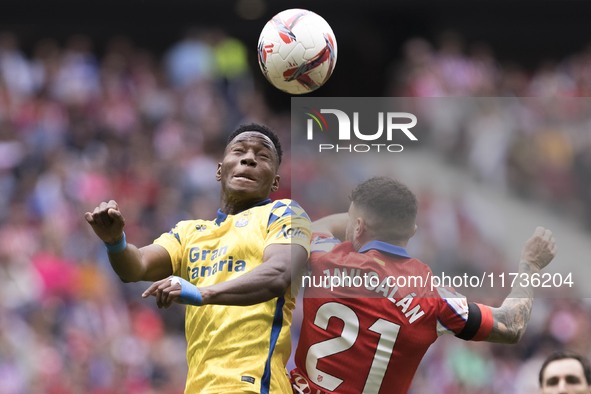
(359, 228)
(414, 231)
(218, 173)
(275, 185)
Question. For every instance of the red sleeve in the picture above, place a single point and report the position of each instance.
(486, 323)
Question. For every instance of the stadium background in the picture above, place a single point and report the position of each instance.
(93, 105)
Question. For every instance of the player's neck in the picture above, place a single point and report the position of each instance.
(396, 242)
(233, 206)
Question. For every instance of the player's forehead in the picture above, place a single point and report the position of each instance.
(253, 137)
(564, 367)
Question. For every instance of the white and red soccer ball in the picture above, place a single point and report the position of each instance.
(297, 51)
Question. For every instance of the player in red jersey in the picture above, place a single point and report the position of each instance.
(369, 333)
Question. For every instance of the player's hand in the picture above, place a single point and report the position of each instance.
(166, 292)
(540, 249)
(107, 222)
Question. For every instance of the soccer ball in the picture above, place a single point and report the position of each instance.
(297, 51)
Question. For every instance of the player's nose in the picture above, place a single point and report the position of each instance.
(562, 387)
(248, 158)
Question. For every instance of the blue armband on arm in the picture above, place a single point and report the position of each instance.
(117, 247)
(190, 294)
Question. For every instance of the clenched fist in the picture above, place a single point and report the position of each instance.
(107, 222)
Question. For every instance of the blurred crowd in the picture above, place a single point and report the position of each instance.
(79, 125)
(533, 139)
(78, 128)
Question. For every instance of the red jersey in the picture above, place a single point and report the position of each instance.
(369, 334)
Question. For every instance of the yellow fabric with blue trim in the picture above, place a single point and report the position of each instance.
(236, 349)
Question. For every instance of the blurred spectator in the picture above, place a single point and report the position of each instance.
(190, 60)
(565, 372)
(15, 71)
(77, 79)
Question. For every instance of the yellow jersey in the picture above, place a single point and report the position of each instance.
(236, 349)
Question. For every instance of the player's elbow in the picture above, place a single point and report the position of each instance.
(508, 326)
(516, 334)
(512, 338)
(278, 286)
(128, 275)
(512, 334)
(126, 278)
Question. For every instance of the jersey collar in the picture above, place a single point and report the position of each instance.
(385, 248)
(221, 216)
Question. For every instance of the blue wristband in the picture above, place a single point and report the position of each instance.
(117, 247)
(190, 294)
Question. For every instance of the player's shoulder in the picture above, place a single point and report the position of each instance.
(192, 222)
(286, 207)
(422, 267)
(324, 242)
(284, 202)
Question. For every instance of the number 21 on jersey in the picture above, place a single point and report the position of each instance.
(387, 331)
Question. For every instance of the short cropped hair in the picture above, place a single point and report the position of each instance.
(259, 128)
(566, 355)
(392, 206)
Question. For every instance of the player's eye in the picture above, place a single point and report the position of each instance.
(571, 379)
(553, 381)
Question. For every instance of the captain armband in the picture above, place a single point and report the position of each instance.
(479, 323)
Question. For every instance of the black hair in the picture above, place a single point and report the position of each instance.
(392, 207)
(259, 129)
(566, 355)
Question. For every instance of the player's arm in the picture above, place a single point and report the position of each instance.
(335, 224)
(266, 281)
(129, 262)
(511, 318)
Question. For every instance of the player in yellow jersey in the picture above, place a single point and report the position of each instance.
(233, 272)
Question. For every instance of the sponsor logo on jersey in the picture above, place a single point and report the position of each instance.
(241, 222)
(219, 262)
(291, 232)
(225, 265)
